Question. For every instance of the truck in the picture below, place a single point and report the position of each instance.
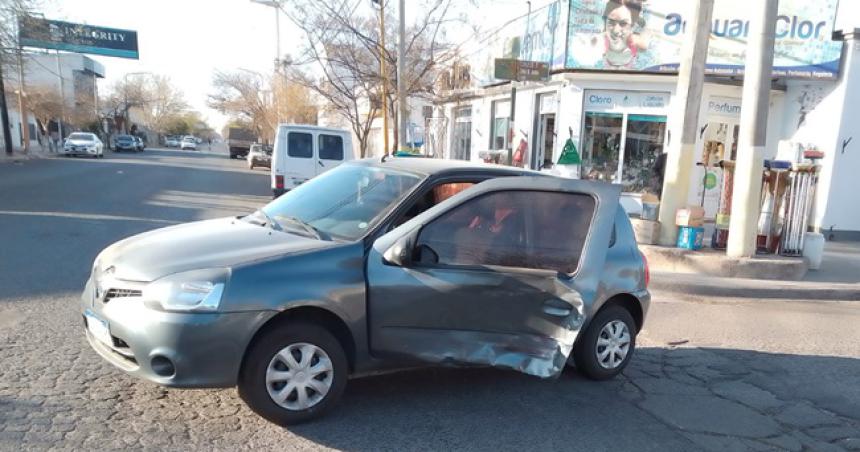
(239, 141)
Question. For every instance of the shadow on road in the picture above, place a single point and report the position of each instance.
(61, 213)
(487, 409)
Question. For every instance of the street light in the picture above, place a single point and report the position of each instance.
(276, 4)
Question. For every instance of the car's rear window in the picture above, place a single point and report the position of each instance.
(81, 136)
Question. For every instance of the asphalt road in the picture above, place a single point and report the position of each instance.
(739, 375)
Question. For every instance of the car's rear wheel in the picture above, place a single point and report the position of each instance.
(607, 345)
(293, 373)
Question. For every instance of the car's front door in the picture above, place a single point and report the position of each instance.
(496, 275)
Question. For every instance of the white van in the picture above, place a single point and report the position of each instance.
(304, 151)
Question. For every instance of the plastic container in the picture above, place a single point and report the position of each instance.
(813, 249)
(690, 237)
(650, 210)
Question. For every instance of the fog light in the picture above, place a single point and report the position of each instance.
(163, 366)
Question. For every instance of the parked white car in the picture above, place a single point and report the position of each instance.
(305, 151)
(84, 143)
(188, 143)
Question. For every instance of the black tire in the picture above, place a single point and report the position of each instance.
(252, 377)
(585, 352)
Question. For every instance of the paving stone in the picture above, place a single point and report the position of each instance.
(695, 413)
(669, 386)
(747, 394)
(831, 434)
(849, 444)
(804, 416)
(786, 442)
(717, 443)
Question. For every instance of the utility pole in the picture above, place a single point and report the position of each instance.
(63, 100)
(758, 70)
(401, 76)
(22, 106)
(685, 119)
(4, 114)
(383, 75)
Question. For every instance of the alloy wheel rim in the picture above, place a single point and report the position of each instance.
(299, 376)
(613, 344)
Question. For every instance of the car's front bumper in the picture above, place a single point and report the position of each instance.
(204, 349)
(80, 151)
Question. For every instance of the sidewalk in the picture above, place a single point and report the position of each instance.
(838, 279)
(17, 156)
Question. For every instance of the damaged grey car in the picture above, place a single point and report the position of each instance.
(374, 266)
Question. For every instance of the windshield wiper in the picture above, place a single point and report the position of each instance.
(269, 221)
(309, 228)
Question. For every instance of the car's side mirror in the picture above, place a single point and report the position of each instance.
(399, 254)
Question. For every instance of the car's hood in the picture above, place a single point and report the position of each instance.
(203, 244)
(80, 143)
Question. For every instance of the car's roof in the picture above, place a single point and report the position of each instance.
(432, 166)
(312, 127)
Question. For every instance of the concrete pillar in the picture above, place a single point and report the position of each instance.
(746, 194)
(685, 119)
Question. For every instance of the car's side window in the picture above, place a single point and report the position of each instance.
(528, 229)
(300, 145)
(559, 230)
(331, 147)
(489, 230)
(434, 196)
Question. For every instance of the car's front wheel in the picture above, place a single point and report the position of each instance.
(293, 373)
(607, 345)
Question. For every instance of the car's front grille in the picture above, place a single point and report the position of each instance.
(121, 293)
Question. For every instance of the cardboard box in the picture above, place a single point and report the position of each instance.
(650, 206)
(647, 232)
(690, 238)
(693, 216)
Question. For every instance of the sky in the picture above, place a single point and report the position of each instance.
(188, 40)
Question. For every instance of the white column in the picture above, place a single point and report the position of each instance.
(746, 194)
(685, 119)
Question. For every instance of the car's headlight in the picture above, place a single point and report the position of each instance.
(197, 290)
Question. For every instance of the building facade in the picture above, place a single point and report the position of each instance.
(615, 103)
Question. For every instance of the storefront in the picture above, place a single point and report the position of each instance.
(618, 116)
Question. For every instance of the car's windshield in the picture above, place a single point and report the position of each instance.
(124, 137)
(343, 203)
(188, 139)
(81, 137)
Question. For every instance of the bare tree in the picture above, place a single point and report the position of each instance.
(343, 46)
(162, 102)
(261, 102)
(243, 95)
(46, 105)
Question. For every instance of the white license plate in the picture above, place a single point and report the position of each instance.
(98, 328)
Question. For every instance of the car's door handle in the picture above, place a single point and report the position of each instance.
(321, 163)
(558, 308)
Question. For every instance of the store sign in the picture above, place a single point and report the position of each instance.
(606, 35)
(724, 106)
(628, 100)
(80, 38)
(538, 36)
(519, 70)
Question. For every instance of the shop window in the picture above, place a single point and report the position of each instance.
(500, 124)
(462, 148)
(643, 145)
(601, 148)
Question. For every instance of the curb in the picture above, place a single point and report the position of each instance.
(703, 286)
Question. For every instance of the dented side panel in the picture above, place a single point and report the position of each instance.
(521, 319)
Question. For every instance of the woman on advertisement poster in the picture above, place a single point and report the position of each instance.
(625, 34)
